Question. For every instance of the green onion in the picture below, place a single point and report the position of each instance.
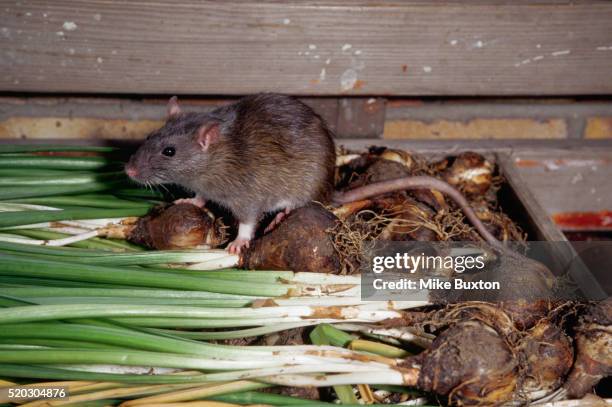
(237, 334)
(94, 243)
(37, 148)
(254, 397)
(22, 267)
(70, 311)
(41, 291)
(108, 336)
(8, 219)
(95, 201)
(73, 179)
(198, 323)
(260, 365)
(54, 162)
(51, 190)
(31, 172)
(56, 343)
(344, 392)
(52, 282)
(40, 372)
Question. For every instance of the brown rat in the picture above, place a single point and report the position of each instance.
(264, 153)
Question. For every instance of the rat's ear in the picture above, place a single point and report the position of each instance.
(173, 107)
(207, 135)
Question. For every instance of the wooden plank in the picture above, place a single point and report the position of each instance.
(563, 256)
(108, 118)
(350, 117)
(307, 47)
(570, 182)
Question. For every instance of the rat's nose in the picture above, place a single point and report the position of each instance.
(131, 171)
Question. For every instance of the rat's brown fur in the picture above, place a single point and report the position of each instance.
(274, 152)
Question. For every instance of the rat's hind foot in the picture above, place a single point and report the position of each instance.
(243, 240)
(196, 200)
(237, 245)
(277, 220)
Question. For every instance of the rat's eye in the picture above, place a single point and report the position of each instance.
(169, 151)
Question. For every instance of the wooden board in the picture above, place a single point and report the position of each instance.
(573, 186)
(562, 255)
(307, 47)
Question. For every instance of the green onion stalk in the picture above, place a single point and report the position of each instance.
(15, 149)
(218, 362)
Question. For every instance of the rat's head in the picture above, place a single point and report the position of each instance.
(176, 152)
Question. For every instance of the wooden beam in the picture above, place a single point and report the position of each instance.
(307, 47)
(562, 256)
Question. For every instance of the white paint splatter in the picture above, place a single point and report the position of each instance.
(537, 58)
(316, 56)
(286, 21)
(454, 42)
(100, 60)
(559, 53)
(358, 52)
(322, 74)
(328, 61)
(479, 44)
(28, 14)
(604, 48)
(525, 61)
(346, 47)
(577, 178)
(97, 16)
(60, 33)
(307, 53)
(312, 46)
(71, 51)
(538, 46)
(427, 69)
(69, 26)
(371, 100)
(348, 79)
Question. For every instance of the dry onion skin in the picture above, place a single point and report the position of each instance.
(180, 226)
(593, 338)
(456, 366)
(471, 173)
(548, 355)
(301, 242)
(481, 357)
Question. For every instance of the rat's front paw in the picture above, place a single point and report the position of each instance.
(197, 201)
(237, 245)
